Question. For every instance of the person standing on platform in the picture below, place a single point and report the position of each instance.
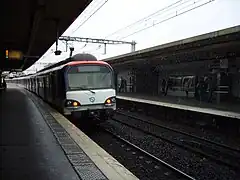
(169, 85)
(186, 86)
(196, 95)
(125, 85)
(201, 89)
(120, 85)
(212, 84)
(163, 86)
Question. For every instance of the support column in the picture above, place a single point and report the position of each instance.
(218, 85)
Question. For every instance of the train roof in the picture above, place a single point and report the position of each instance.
(75, 60)
(86, 62)
(70, 63)
(73, 63)
(76, 57)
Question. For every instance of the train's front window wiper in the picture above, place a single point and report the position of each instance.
(82, 88)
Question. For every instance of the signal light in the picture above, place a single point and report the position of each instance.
(7, 54)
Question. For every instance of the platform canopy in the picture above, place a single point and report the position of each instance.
(222, 44)
(30, 27)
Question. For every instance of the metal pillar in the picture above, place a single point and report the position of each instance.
(133, 46)
(218, 84)
(71, 51)
(57, 52)
(105, 49)
(57, 34)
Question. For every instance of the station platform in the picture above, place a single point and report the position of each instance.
(39, 143)
(224, 109)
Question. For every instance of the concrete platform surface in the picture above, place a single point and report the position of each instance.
(29, 149)
(225, 110)
(37, 142)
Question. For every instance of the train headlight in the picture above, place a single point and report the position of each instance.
(75, 104)
(110, 101)
(72, 103)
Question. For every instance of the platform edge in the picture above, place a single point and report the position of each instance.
(99, 157)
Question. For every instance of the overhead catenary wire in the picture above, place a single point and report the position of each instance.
(157, 13)
(176, 15)
(90, 16)
(86, 13)
(143, 19)
(95, 49)
(105, 1)
(160, 12)
(139, 21)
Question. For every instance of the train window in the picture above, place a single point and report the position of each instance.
(90, 77)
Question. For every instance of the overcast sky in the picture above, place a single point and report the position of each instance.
(164, 26)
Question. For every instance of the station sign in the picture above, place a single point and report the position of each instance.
(14, 55)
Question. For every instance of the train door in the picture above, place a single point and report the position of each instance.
(28, 84)
(31, 84)
(50, 87)
(44, 88)
(60, 87)
(53, 84)
(48, 78)
(37, 85)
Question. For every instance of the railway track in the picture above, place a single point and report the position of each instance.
(220, 153)
(154, 168)
(158, 168)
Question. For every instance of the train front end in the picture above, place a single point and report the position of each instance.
(90, 90)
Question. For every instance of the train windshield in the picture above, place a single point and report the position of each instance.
(88, 77)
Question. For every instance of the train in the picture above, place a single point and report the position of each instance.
(80, 86)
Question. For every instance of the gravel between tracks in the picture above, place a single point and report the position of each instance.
(213, 136)
(225, 156)
(188, 162)
(137, 162)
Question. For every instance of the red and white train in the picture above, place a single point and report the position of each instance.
(80, 86)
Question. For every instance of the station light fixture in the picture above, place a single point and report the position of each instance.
(57, 52)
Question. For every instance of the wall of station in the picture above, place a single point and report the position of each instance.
(126, 81)
(235, 72)
(138, 80)
(146, 80)
(179, 74)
